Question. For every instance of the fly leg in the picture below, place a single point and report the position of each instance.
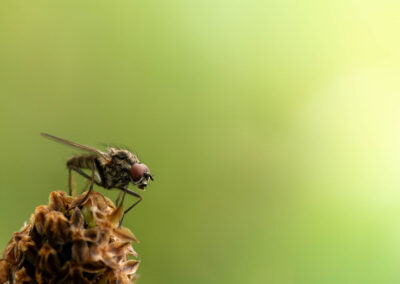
(118, 198)
(90, 188)
(82, 173)
(69, 181)
(126, 190)
(86, 186)
(91, 178)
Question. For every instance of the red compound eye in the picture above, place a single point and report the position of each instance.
(138, 170)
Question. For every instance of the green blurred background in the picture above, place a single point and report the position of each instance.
(272, 129)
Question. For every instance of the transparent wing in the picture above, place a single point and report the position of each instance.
(76, 145)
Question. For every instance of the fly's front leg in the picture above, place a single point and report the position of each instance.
(126, 190)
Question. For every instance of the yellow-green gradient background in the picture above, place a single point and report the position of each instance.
(272, 129)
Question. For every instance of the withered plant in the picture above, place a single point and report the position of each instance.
(64, 243)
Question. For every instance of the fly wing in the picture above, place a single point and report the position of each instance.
(76, 145)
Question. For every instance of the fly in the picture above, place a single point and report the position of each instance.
(115, 168)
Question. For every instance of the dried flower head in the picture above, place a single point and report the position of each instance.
(66, 244)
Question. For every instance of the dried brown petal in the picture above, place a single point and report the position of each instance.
(115, 216)
(77, 218)
(57, 227)
(48, 259)
(59, 201)
(131, 266)
(4, 270)
(80, 251)
(76, 275)
(131, 251)
(22, 276)
(119, 247)
(124, 234)
(94, 268)
(25, 243)
(91, 235)
(10, 252)
(39, 218)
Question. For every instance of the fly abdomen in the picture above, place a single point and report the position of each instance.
(82, 161)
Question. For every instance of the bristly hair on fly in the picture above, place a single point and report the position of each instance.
(120, 146)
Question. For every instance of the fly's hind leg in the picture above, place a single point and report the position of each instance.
(126, 190)
(91, 178)
(69, 181)
(88, 182)
(82, 173)
(90, 188)
(118, 198)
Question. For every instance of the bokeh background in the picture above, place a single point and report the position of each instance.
(272, 129)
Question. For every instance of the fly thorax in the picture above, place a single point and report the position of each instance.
(117, 171)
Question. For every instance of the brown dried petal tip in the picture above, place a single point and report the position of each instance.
(66, 244)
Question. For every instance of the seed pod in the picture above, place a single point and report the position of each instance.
(67, 244)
